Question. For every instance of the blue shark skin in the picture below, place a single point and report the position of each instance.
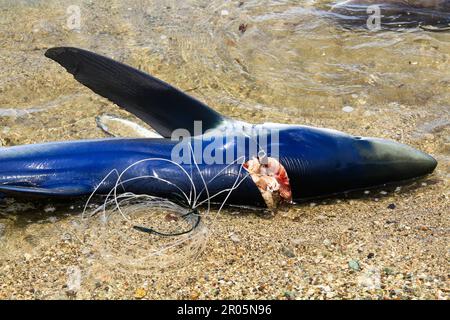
(318, 162)
(78, 168)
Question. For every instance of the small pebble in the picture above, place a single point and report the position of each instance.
(73, 279)
(194, 295)
(140, 293)
(287, 252)
(383, 193)
(297, 242)
(66, 236)
(369, 280)
(235, 238)
(347, 109)
(243, 27)
(388, 271)
(224, 12)
(325, 288)
(49, 209)
(391, 206)
(289, 295)
(354, 265)
(71, 294)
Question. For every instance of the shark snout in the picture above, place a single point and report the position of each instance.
(322, 162)
(386, 160)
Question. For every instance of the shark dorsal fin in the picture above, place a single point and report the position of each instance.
(157, 103)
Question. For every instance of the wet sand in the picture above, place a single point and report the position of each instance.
(289, 66)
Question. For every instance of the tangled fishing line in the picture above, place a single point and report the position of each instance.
(143, 232)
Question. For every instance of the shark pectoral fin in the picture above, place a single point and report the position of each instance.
(157, 103)
(118, 127)
(57, 191)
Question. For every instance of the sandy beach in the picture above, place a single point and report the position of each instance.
(287, 66)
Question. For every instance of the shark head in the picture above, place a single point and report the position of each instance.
(322, 161)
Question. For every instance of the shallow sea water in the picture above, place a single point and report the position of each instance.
(259, 61)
